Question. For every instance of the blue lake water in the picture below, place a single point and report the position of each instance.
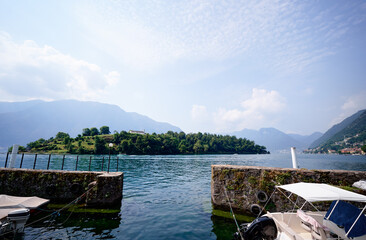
(165, 197)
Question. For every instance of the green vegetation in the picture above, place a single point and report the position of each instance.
(94, 141)
(351, 134)
(80, 208)
(239, 217)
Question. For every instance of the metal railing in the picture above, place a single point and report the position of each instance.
(93, 162)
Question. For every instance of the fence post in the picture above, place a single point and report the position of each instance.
(21, 161)
(109, 162)
(63, 161)
(48, 164)
(90, 162)
(6, 161)
(35, 160)
(117, 163)
(77, 160)
(103, 164)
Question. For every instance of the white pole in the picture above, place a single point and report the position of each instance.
(293, 154)
(13, 156)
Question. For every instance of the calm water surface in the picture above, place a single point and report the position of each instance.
(165, 197)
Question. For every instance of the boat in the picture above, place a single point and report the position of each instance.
(342, 221)
(15, 211)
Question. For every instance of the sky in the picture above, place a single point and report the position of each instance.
(203, 65)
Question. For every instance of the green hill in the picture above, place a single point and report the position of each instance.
(349, 133)
(335, 130)
(151, 144)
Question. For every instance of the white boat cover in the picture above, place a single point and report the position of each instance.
(11, 203)
(315, 192)
(360, 184)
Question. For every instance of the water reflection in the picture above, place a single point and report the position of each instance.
(71, 225)
(164, 197)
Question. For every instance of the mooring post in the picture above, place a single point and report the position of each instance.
(90, 163)
(49, 159)
(63, 161)
(13, 157)
(102, 164)
(77, 160)
(293, 154)
(21, 161)
(6, 160)
(35, 160)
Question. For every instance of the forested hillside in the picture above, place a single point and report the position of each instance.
(349, 136)
(335, 129)
(354, 135)
(94, 141)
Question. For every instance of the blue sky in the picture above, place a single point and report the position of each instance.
(209, 66)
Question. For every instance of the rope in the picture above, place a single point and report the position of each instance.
(55, 214)
(232, 212)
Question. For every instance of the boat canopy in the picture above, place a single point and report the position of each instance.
(11, 203)
(315, 192)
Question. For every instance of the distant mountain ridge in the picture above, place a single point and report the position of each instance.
(275, 140)
(23, 122)
(348, 133)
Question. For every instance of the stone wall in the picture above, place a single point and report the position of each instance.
(63, 186)
(246, 185)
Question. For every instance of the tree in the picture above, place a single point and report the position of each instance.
(67, 141)
(363, 148)
(197, 147)
(61, 135)
(104, 130)
(100, 146)
(86, 132)
(94, 131)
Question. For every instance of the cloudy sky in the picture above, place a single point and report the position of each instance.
(209, 66)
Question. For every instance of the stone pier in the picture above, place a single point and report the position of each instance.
(247, 186)
(105, 189)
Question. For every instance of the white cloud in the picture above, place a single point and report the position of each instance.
(259, 110)
(355, 102)
(286, 36)
(34, 71)
(264, 101)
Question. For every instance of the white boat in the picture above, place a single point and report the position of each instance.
(342, 220)
(15, 211)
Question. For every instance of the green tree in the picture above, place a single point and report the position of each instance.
(67, 141)
(104, 130)
(363, 148)
(197, 147)
(94, 131)
(100, 146)
(86, 132)
(61, 135)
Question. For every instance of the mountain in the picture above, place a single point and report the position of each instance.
(348, 127)
(6, 107)
(351, 132)
(308, 139)
(275, 140)
(24, 122)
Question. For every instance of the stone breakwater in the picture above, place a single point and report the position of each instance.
(64, 186)
(247, 186)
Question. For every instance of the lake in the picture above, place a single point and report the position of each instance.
(165, 197)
